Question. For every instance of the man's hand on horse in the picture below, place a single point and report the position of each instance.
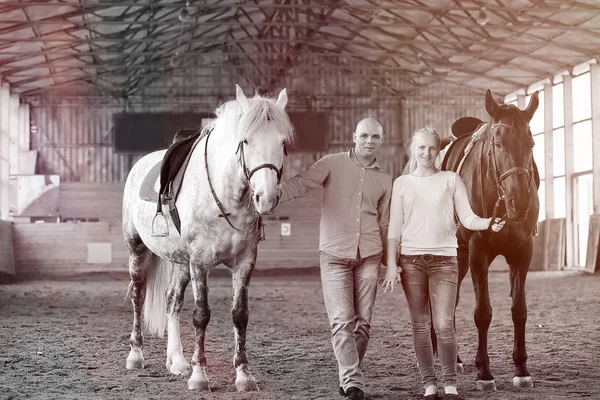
(498, 224)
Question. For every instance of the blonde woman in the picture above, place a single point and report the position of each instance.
(423, 231)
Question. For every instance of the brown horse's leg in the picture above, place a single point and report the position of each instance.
(479, 261)
(463, 268)
(139, 256)
(201, 318)
(176, 363)
(518, 273)
(241, 274)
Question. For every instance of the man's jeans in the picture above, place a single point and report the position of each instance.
(349, 289)
(430, 279)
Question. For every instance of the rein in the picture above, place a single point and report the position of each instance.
(499, 178)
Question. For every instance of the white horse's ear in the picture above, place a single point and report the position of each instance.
(241, 97)
(282, 99)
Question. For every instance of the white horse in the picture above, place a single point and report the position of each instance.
(243, 164)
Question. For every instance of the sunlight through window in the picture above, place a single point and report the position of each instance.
(582, 97)
(560, 198)
(558, 152)
(582, 146)
(558, 106)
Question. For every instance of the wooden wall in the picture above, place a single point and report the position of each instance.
(102, 200)
(61, 249)
(52, 249)
(7, 261)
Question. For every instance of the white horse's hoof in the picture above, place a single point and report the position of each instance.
(460, 368)
(199, 379)
(522, 381)
(198, 384)
(135, 360)
(180, 368)
(246, 385)
(177, 365)
(244, 381)
(486, 386)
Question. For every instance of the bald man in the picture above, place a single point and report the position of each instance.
(353, 231)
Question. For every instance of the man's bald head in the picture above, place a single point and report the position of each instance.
(368, 137)
(369, 124)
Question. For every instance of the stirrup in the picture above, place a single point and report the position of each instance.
(163, 227)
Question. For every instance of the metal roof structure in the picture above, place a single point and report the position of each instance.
(119, 48)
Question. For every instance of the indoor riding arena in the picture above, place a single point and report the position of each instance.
(95, 262)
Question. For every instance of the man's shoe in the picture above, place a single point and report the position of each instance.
(341, 391)
(354, 393)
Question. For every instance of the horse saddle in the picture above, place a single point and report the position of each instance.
(465, 126)
(171, 170)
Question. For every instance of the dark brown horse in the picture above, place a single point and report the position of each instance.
(501, 180)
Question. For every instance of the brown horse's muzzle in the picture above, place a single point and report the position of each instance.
(517, 196)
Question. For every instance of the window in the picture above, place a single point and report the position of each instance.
(582, 97)
(558, 106)
(558, 152)
(582, 146)
(539, 154)
(582, 178)
(542, 197)
(560, 197)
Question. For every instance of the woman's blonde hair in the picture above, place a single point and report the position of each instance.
(412, 161)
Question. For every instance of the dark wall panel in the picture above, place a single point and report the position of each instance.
(136, 133)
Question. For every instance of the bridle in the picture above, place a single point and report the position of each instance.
(257, 224)
(499, 178)
(248, 174)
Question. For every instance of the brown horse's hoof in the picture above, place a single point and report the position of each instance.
(486, 386)
(522, 381)
(460, 368)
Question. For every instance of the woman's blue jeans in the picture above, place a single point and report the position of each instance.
(430, 283)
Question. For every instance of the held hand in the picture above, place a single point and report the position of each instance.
(390, 280)
(497, 225)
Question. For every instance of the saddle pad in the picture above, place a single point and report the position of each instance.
(474, 138)
(177, 158)
(147, 191)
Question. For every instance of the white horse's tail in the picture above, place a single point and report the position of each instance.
(158, 277)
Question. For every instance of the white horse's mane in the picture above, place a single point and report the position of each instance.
(229, 119)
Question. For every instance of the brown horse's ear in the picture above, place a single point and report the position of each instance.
(492, 108)
(532, 106)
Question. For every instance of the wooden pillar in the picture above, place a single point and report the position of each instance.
(13, 134)
(595, 78)
(4, 150)
(548, 151)
(27, 157)
(569, 167)
(24, 128)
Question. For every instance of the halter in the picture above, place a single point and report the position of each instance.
(499, 178)
(248, 174)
